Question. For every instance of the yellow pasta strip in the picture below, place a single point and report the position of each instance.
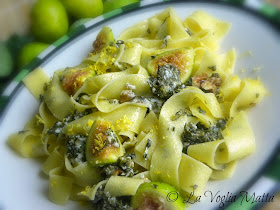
(224, 173)
(35, 81)
(122, 186)
(193, 175)
(205, 153)
(55, 160)
(59, 187)
(84, 175)
(239, 140)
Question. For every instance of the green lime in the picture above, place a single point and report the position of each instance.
(6, 61)
(110, 5)
(83, 8)
(29, 52)
(49, 20)
(77, 23)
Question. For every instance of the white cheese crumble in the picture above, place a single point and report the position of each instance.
(129, 93)
(130, 87)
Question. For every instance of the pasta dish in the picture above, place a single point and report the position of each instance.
(155, 111)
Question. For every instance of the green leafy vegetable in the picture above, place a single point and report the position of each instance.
(75, 145)
(167, 82)
(103, 200)
(198, 133)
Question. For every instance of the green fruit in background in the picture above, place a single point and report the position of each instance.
(29, 52)
(49, 20)
(77, 23)
(83, 8)
(110, 5)
(6, 61)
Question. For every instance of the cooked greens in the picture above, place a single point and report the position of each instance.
(198, 133)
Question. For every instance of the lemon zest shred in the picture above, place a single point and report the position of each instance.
(124, 123)
(39, 120)
(86, 190)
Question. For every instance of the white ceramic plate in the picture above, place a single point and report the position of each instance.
(23, 185)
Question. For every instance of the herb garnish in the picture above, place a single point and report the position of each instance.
(201, 110)
(57, 127)
(148, 145)
(119, 43)
(189, 32)
(180, 113)
(167, 82)
(103, 200)
(75, 145)
(198, 133)
(123, 167)
(213, 68)
(165, 41)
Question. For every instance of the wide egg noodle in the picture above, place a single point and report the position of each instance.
(193, 175)
(26, 144)
(49, 141)
(205, 153)
(230, 88)
(208, 62)
(169, 143)
(57, 99)
(226, 61)
(54, 160)
(126, 54)
(61, 180)
(143, 175)
(59, 186)
(137, 30)
(113, 91)
(46, 116)
(131, 142)
(28, 141)
(140, 148)
(207, 40)
(76, 195)
(200, 20)
(126, 121)
(83, 174)
(35, 82)
(154, 24)
(141, 29)
(225, 173)
(94, 84)
(148, 43)
(175, 26)
(239, 140)
(199, 55)
(209, 101)
(131, 54)
(203, 39)
(122, 186)
(200, 111)
(149, 123)
(127, 118)
(252, 92)
(90, 191)
(128, 137)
